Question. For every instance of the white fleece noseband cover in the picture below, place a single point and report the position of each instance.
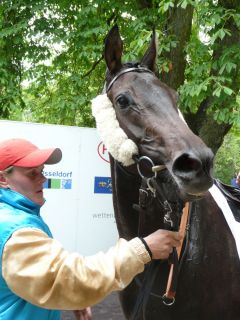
(115, 139)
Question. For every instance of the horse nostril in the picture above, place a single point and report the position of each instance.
(186, 166)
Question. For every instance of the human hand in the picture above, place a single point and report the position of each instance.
(161, 243)
(84, 314)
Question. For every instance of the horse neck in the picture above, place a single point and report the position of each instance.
(125, 187)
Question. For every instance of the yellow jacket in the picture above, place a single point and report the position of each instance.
(38, 269)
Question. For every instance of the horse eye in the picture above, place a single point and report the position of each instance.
(122, 101)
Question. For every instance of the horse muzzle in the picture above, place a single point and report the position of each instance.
(193, 173)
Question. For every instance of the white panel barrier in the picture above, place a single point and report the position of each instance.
(78, 195)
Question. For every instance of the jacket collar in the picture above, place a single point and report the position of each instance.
(19, 201)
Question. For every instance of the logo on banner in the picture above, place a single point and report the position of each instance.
(58, 184)
(102, 152)
(53, 181)
(103, 185)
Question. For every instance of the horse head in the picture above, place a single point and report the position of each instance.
(147, 112)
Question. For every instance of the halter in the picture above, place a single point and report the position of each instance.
(132, 69)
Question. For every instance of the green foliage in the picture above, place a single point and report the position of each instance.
(213, 65)
(51, 62)
(227, 161)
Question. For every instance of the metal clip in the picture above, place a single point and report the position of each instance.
(167, 216)
(168, 220)
(151, 188)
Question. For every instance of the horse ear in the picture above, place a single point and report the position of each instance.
(113, 50)
(150, 56)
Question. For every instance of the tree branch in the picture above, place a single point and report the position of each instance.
(93, 67)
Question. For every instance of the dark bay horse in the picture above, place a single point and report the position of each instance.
(208, 279)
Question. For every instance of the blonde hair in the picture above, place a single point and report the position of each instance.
(9, 170)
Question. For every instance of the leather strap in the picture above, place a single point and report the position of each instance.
(132, 69)
(172, 277)
(183, 225)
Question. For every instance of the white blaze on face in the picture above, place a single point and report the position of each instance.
(181, 116)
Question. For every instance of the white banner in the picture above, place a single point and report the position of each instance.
(78, 195)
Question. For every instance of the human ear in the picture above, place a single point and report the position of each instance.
(3, 180)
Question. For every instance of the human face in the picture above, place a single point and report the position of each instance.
(28, 182)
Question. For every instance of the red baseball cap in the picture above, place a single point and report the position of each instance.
(22, 153)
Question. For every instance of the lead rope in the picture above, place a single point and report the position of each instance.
(169, 295)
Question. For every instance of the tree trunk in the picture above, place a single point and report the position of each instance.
(179, 25)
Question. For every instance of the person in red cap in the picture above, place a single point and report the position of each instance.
(38, 278)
